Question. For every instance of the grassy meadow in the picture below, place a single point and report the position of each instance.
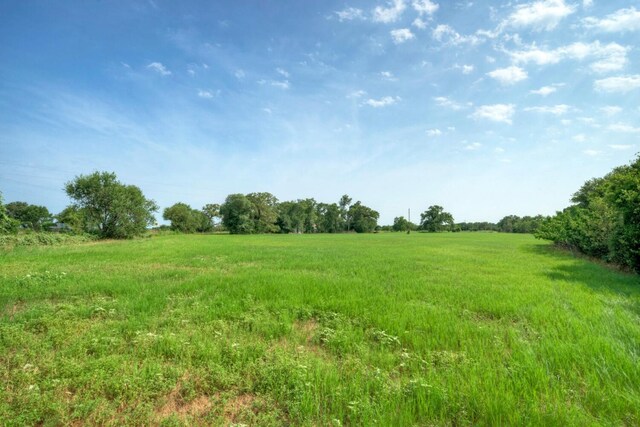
(318, 330)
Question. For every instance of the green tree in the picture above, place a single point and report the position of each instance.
(73, 217)
(345, 203)
(402, 224)
(363, 218)
(32, 216)
(264, 212)
(183, 218)
(212, 212)
(110, 208)
(236, 212)
(436, 219)
(7, 224)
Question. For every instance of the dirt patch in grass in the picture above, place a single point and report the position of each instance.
(175, 405)
(237, 408)
(12, 309)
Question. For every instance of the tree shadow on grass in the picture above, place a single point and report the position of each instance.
(580, 269)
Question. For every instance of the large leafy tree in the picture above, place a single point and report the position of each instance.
(211, 212)
(436, 219)
(402, 224)
(7, 224)
(182, 217)
(31, 216)
(345, 203)
(236, 212)
(363, 219)
(110, 208)
(264, 212)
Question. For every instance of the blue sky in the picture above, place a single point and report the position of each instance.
(486, 108)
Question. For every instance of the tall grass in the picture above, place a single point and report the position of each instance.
(389, 329)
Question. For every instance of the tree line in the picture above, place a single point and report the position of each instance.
(604, 219)
(103, 206)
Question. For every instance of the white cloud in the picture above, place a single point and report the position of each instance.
(544, 90)
(357, 94)
(623, 127)
(280, 84)
(620, 146)
(497, 112)
(498, 150)
(283, 72)
(240, 74)
(425, 7)
(609, 57)
(509, 75)
(466, 69)
(611, 110)
(419, 23)
(267, 110)
(388, 75)
(591, 152)
(619, 21)
(557, 110)
(382, 102)
(349, 14)
(581, 137)
(159, 68)
(473, 146)
(434, 132)
(445, 34)
(391, 13)
(205, 94)
(618, 84)
(402, 35)
(443, 101)
(540, 15)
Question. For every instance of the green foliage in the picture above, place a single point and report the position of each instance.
(436, 219)
(362, 219)
(385, 329)
(110, 208)
(187, 220)
(604, 221)
(264, 212)
(402, 224)
(74, 218)
(516, 224)
(237, 214)
(42, 239)
(30, 216)
(7, 224)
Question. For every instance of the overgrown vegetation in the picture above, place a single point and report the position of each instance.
(342, 329)
(604, 221)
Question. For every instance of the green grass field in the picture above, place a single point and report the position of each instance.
(386, 329)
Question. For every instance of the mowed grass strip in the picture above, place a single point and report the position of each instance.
(386, 329)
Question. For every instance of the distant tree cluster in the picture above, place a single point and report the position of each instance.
(604, 220)
(263, 213)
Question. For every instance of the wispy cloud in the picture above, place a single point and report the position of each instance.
(401, 35)
(205, 94)
(539, 15)
(443, 101)
(445, 34)
(425, 7)
(391, 13)
(283, 72)
(501, 113)
(611, 110)
(159, 68)
(434, 132)
(544, 90)
(466, 69)
(350, 14)
(473, 146)
(608, 57)
(619, 21)
(509, 75)
(624, 128)
(382, 102)
(619, 84)
(591, 152)
(620, 147)
(557, 110)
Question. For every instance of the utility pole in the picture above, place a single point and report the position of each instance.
(409, 223)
